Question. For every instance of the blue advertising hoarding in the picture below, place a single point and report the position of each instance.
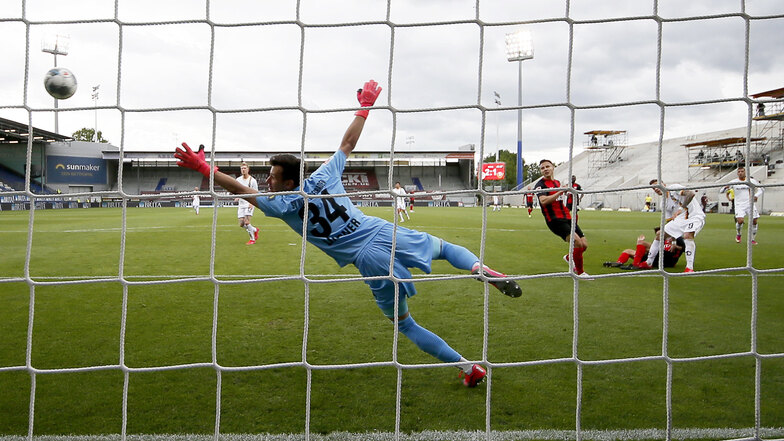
(75, 170)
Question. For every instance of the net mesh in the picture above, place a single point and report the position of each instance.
(757, 432)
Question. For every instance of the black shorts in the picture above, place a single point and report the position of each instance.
(563, 228)
(529, 204)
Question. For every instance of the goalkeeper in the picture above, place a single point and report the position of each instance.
(341, 230)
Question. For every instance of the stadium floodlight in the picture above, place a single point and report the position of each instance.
(57, 46)
(519, 47)
(95, 102)
(497, 126)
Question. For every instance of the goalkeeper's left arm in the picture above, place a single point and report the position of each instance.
(367, 97)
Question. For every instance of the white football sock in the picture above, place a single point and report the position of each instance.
(691, 249)
(653, 252)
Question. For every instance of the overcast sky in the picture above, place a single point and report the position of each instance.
(254, 70)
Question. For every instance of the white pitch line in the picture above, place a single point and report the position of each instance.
(515, 435)
(324, 276)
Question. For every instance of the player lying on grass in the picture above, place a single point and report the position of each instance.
(343, 232)
(672, 252)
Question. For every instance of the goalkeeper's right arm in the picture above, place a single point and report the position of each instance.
(195, 161)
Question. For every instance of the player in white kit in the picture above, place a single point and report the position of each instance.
(244, 208)
(687, 221)
(745, 203)
(196, 201)
(400, 201)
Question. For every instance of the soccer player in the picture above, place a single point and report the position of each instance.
(570, 200)
(731, 197)
(196, 201)
(343, 232)
(400, 201)
(745, 203)
(558, 217)
(671, 205)
(529, 202)
(648, 202)
(411, 203)
(244, 208)
(687, 221)
(672, 253)
(495, 203)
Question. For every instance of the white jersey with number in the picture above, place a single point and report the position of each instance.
(690, 220)
(244, 208)
(694, 208)
(743, 191)
(400, 200)
(250, 182)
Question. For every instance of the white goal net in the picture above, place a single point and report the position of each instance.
(241, 75)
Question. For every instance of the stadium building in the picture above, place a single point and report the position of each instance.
(613, 174)
(72, 173)
(608, 165)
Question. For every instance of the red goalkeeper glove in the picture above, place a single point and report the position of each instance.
(367, 97)
(194, 161)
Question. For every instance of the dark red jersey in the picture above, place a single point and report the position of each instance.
(556, 210)
(569, 198)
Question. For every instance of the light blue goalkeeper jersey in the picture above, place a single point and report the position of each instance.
(334, 224)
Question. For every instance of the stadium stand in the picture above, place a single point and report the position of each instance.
(14, 181)
(640, 165)
(159, 179)
(707, 160)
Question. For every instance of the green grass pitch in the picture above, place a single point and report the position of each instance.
(261, 321)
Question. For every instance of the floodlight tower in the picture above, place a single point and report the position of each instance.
(519, 47)
(95, 102)
(57, 47)
(497, 126)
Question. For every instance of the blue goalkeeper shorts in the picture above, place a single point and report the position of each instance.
(413, 249)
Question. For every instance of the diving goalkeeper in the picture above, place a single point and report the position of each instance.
(343, 232)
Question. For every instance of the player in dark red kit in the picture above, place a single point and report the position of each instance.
(672, 252)
(558, 217)
(529, 202)
(570, 199)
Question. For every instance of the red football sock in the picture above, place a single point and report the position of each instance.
(623, 257)
(577, 255)
(638, 254)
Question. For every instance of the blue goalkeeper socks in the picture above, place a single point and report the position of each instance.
(457, 256)
(427, 341)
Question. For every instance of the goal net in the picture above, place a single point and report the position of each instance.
(212, 344)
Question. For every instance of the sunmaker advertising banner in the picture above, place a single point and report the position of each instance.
(75, 170)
